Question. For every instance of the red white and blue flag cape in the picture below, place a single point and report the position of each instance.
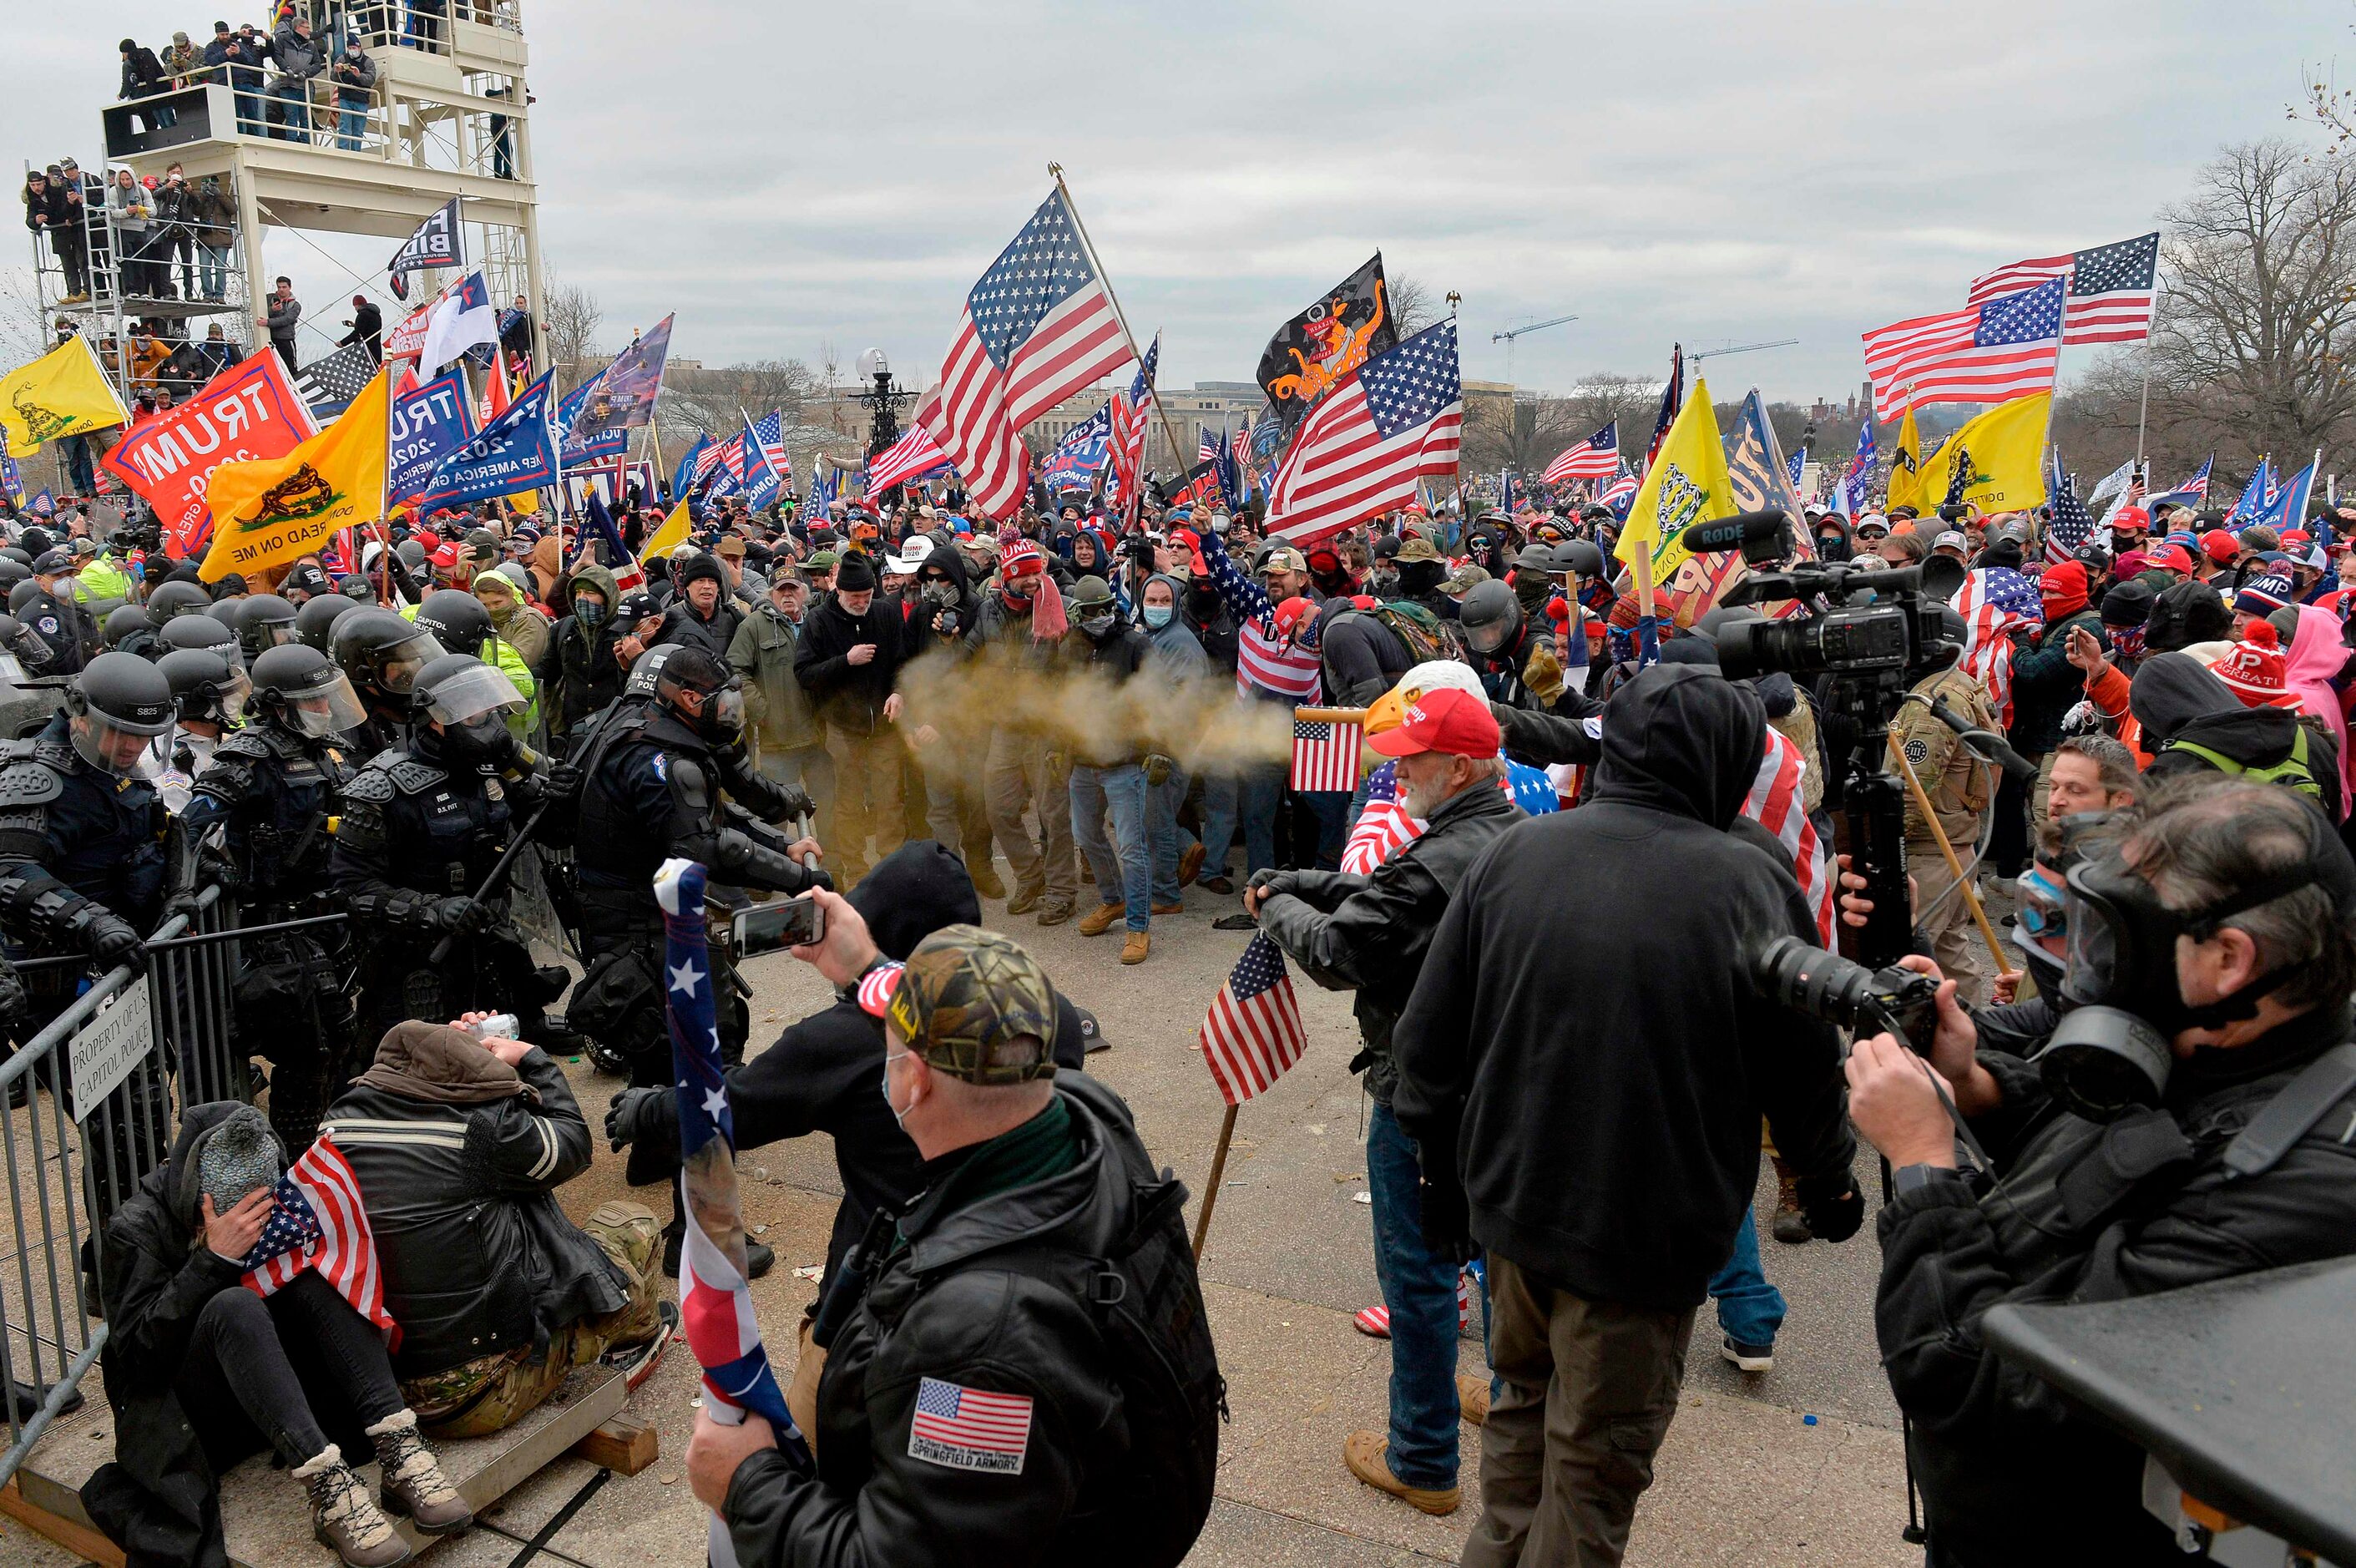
(715, 1306)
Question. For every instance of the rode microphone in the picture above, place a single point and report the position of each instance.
(1739, 532)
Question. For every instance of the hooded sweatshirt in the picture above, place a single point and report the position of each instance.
(2317, 653)
(1604, 1122)
(1177, 652)
(2178, 704)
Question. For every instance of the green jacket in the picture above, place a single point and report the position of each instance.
(503, 655)
(102, 581)
(762, 652)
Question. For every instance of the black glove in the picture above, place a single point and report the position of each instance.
(1158, 769)
(13, 1000)
(562, 787)
(1832, 1205)
(1272, 881)
(112, 942)
(1447, 1221)
(797, 803)
(182, 904)
(626, 1114)
(460, 916)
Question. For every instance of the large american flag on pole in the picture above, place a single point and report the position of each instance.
(1394, 420)
(1129, 416)
(1994, 601)
(2072, 524)
(1597, 457)
(2111, 288)
(320, 1222)
(1253, 1035)
(1039, 326)
(912, 457)
(2005, 348)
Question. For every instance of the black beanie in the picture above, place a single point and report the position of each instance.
(854, 576)
(697, 567)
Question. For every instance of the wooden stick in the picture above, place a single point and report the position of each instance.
(1954, 866)
(1330, 715)
(1210, 1193)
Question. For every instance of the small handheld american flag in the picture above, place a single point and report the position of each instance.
(1253, 1034)
(1325, 754)
(320, 1222)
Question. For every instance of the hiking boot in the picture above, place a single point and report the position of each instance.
(413, 1486)
(1363, 1452)
(1099, 920)
(1219, 885)
(985, 880)
(1174, 908)
(1134, 948)
(1471, 1398)
(1238, 921)
(1025, 899)
(1190, 865)
(343, 1519)
(1056, 911)
(637, 1362)
(1748, 1357)
(1789, 1225)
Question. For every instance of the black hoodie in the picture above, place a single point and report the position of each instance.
(1600, 1101)
(2180, 703)
(825, 1074)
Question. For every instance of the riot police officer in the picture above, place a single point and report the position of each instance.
(381, 654)
(273, 788)
(315, 622)
(131, 630)
(422, 825)
(210, 696)
(201, 631)
(50, 611)
(173, 598)
(263, 621)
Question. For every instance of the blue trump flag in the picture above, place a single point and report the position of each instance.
(762, 480)
(427, 424)
(578, 453)
(684, 475)
(514, 453)
(1073, 465)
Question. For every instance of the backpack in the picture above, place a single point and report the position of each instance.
(2292, 771)
(1427, 637)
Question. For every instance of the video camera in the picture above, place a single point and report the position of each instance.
(1863, 1001)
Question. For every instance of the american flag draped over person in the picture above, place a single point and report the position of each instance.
(2110, 288)
(2005, 348)
(1394, 420)
(319, 1221)
(1253, 1034)
(1994, 601)
(1038, 327)
(714, 1303)
(1777, 803)
(1597, 457)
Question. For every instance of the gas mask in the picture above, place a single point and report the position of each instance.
(483, 738)
(2112, 1052)
(940, 593)
(721, 719)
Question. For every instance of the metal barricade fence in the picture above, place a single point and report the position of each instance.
(49, 1335)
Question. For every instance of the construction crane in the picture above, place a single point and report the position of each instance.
(1698, 355)
(1508, 336)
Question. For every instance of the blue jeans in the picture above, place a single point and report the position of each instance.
(1164, 832)
(1260, 791)
(1220, 788)
(1750, 1310)
(212, 269)
(289, 109)
(352, 119)
(1420, 1292)
(1331, 809)
(1121, 791)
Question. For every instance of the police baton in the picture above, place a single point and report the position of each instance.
(498, 872)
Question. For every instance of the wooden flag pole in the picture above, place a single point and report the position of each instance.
(1210, 1193)
(1954, 866)
(1168, 431)
(1330, 715)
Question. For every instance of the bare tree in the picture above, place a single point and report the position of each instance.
(786, 385)
(1412, 304)
(572, 318)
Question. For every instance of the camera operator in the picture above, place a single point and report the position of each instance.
(2211, 970)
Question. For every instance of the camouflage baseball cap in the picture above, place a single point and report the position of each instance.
(963, 999)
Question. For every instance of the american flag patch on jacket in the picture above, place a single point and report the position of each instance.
(969, 1429)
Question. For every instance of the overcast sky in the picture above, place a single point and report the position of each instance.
(1716, 173)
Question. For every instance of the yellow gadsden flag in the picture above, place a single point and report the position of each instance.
(63, 393)
(1999, 457)
(269, 512)
(668, 537)
(1906, 470)
(1687, 483)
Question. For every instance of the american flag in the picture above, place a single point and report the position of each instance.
(912, 457)
(715, 1305)
(320, 1222)
(328, 385)
(1776, 803)
(2110, 288)
(1128, 416)
(1252, 1033)
(1597, 457)
(2256, 496)
(1993, 601)
(1038, 327)
(1388, 424)
(2192, 491)
(1265, 660)
(1383, 826)
(1620, 494)
(763, 449)
(1673, 397)
(2073, 525)
(1994, 352)
(969, 1429)
(1325, 754)
(710, 456)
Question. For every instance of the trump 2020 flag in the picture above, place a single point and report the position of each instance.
(515, 452)
(715, 1306)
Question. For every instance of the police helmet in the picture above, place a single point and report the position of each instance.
(457, 620)
(201, 631)
(648, 670)
(300, 687)
(18, 554)
(204, 686)
(263, 621)
(126, 621)
(21, 594)
(317, 616)
(116, 705)
(19, 642)
(470, 700)
(169, 599)
(1490, 615)
(225, 612)
(12, 572)
(382, 654)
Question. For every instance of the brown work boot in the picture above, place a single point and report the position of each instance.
(1473, 1397)
(1190, 865)
(1789, 1225)
(1363, 1452)
(1025, 899)
(1167, 908)
(1134, 949)
(413, 1487)
(342, 1517)
(1099, 920)
(985, 879)
(1055, 911)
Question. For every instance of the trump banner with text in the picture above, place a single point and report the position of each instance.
(250, 413)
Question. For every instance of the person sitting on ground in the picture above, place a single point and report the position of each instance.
(202, 1371)
(459, 1145)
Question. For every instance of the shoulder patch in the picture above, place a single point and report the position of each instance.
(662, 766)
(1917, 749)
(411, 777)
(28, 784)
(370, 785)
(961, 1428)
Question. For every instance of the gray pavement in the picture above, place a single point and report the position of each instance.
(1745, 1477)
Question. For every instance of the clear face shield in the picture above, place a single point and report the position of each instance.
(229, 697)
(479, 698)
(397, 669)
(111, 745)
(326, 709)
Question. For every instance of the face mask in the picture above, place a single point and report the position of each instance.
(1096, 626)
(1158, 615)
(1204, 598)
(898, 1115)
(589, 613)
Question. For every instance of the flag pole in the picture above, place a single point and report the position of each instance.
(1168, 431)
(1210, 1193)
(2144, 410)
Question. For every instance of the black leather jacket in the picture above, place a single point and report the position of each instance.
(1369, 933)
(2087, 1212)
